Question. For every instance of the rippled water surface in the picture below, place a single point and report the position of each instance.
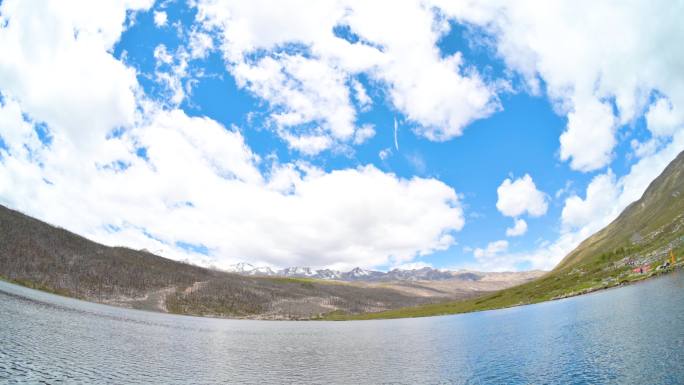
(628, 335)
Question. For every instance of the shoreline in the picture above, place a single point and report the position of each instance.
(363, 316)
(377, 316)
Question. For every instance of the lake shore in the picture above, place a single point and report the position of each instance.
(431, 310)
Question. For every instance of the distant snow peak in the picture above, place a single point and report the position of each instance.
(359, 272)
(263, 270)
(355, 274)
(242, 267)
(297, 271)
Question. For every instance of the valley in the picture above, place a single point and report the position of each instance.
(38, 255)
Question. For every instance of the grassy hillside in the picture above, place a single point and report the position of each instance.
(656, 218)
(643, 235)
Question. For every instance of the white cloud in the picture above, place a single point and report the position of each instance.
(493, 249)
(519, 228)
(385, 153)
(200, 44)
(202, 186)
(160, 18)
(521, 196)
(600, 195)
(615, 70)
(589, 138)
(583, 217)
(361, 95)
(663, 119)
(364, 133)
(18, 135)
(170, 71)
(56, 62)
(310, 85)
(189, 179)
(615, 67)
(646, 148)
(302, 91)
(173, 70)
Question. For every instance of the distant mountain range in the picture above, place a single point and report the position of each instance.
(355, 274)
(358, 274)
(45, 257)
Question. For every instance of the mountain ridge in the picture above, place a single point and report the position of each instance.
(359, 274)
(640, 218)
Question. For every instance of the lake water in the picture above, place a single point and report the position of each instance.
(631, 335)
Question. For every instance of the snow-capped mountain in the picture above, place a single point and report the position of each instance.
(297, 271)
(263, 270)
(241, 268)
(423, 274)
(355, 274)
(328, 274)
(359, 274)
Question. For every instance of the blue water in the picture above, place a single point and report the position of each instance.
(630, 335)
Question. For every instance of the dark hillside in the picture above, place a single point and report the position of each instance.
(52, 258)
(45, 257)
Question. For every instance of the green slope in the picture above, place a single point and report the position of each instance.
(643, 234)
(654, 219)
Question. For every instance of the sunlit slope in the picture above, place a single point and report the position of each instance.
(644, 235)
(656, 217)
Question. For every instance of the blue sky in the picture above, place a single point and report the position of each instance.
(473, 100)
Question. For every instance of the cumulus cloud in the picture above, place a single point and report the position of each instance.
(305, 65)
(589, 138)
(520, 196)
(493, 249)
(199, 184)
(615, 66)
(663, 119)
(173, 69)
(56, 62)
(361, 95)
(616, 69)
(193, 188)
(160, 18)
(583, 217)
(170, 71)
(519, 228)
(364, 133)
(600, 194)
